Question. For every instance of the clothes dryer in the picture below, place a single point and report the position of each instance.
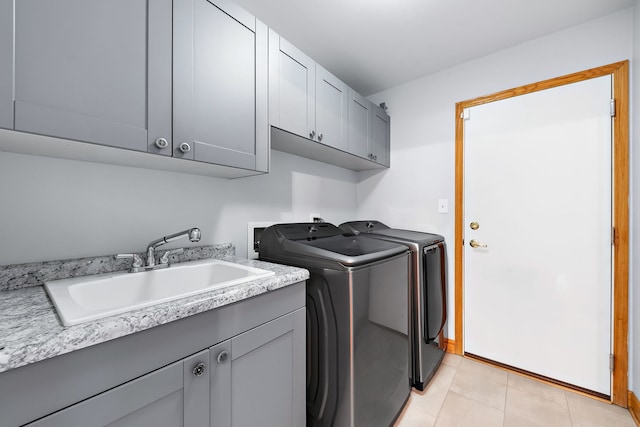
(428, 292)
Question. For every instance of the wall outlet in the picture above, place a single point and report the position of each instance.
(314, 217)
(443, 206)
(254, 231)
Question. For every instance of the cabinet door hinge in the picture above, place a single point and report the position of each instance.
(613, 107)
(611, 362)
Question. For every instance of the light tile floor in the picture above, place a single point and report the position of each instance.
(466, 393)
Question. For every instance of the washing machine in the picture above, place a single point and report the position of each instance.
(428, 292)
(358, 371)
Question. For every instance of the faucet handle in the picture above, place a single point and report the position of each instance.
(164, 259)
(137, 260)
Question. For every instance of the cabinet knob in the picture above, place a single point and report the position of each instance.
(162, 143)
(185, 147)
(319, 137)
(223, 356)
(199, 369)
(312, 134)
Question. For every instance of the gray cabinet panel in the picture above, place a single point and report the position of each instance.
(380, 135)
(360, 117)
(77, 77)
(265, 363)
(156, 396)
(196, 389)
(169, 397)
(332, 106)
(215, 93)
(221, 380)
(159, 59)
(292, 88)
(6, 64)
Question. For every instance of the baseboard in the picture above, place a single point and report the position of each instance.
(634, 407)
(449, 345)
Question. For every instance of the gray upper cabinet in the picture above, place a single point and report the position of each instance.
(380, 138)
(332, 106)
(173, 396)
(292, 88)
(220, 87)
(305, 99)
(6, 64)
(360, 116)
(315, 115)
(93, 71)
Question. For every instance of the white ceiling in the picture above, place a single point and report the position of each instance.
(373, 45)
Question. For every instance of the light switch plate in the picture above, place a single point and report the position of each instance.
(443, 205)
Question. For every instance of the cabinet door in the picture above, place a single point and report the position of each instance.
(6, 64)
(379, 146)
(292, 88)
(260, 378)
(94, 71)
(220, 84)
(360, 117)
(332, 106)
(169, 397)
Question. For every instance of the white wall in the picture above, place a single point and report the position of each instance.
(57, 209)
(423, 123)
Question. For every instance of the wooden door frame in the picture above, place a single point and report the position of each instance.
(620, 181)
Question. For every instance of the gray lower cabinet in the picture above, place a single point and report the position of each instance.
(255, 378)
(169, 397)
(220, 91)
(6, 64)
(94, 71)
(239, 365)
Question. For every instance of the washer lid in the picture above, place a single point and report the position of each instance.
(318, 243)
(377, 228)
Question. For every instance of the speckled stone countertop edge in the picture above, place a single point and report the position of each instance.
(18, 276)
(30, 330)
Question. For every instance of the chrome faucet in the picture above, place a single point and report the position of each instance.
(193, 234)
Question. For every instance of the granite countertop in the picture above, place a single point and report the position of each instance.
(30, 330)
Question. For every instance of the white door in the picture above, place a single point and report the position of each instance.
(537, 181)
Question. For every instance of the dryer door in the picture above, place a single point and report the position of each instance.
(435, 282)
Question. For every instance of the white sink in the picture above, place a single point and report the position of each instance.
(82, 299)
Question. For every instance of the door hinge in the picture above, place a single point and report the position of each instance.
(466, 114)
(611, 362)
(613, 236)
(613, 107)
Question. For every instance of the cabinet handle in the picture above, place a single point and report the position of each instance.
(185, 147)
(162, 143)
(199, 369)
(223, 356)
(319, 137)
(312, 134)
